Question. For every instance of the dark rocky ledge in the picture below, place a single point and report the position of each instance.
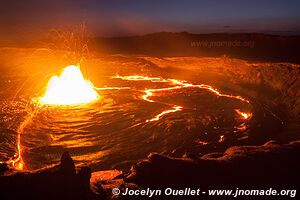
(269, 165)
(62, 181)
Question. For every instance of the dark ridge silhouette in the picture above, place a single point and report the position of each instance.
(249, 46)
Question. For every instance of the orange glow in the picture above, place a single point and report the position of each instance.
(243, 115)
(17, 161)
(104, 175)
(201, 142)
(140, 78)
(19, 166)
(221, 139)
(242, 127)
(147, 94)
(176, 84)
(69, 88)
(157, 117)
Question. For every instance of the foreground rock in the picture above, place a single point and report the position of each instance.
(62, 181)
(269, 165)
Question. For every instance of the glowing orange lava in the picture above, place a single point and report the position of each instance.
(243, 115)
(69, 88)
(221, 139)
(140, 78)
(17, 161)
(177, 84)
(157, 117)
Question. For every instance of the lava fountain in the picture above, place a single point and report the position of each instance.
(70, 88)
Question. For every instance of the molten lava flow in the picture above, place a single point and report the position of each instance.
(69, 88)
(221, 139)
(157, 117)
(17, 161)
(140, 78)
(243, 115)
(177, 84)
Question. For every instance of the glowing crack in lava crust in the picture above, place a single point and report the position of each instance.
(69, 88)
(178, 84)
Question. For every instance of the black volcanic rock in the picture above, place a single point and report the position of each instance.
(3, 168)
(269, 165)
(67, 164)
(58, 182)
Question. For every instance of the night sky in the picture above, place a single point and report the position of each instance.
(137, 17)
